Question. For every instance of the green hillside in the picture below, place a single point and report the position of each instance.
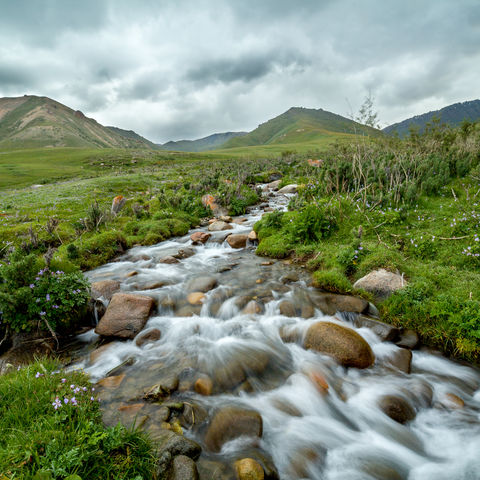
(35, 122)
(202, 144)
(300, 125)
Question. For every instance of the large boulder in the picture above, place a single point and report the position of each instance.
(292, 188)
(105, 289)
(397, 408)
(342, 343)
(237, 240)
(152, 335)
(201, 284)
(388, 333)
(126, 315)
(183, 468)
(381, 283)
(230, 423)
(401, 359)
(218, 226)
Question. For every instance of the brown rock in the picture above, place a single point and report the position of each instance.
(185, 252)
(292, 188)
(330, 303)
(204, 385)
(287, 309)
(218, 226)
(131, 409)
(408, 339)
(230, 423)
(131, 274)
(381, 283)
(169, 260)
(252, 236)
(149, 336)
(199, 237)
(397, 408)
(105, 289)
(249, 469)
(196, 298)
(111, 382)
(450, 400)
(401, 359)
(252, 308)
(342, 343)
(266, 264)
(388, 333)
(126, 315)
(225, 218)
(162, 389)
(237, 240)
(239, 221)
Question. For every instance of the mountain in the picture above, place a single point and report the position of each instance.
(452, 115)
(133, 137)
(206, 143)
(33, 122)
(299, 125)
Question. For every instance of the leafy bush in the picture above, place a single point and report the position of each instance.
(33, 297)
(311, 224)
(100, 248)
(332, 281)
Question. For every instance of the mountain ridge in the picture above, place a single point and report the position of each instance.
(452, 115)
(36, 121)
(209, 142)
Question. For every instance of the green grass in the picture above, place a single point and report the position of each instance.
(40, 442)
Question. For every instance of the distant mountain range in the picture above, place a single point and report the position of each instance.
(206, 143)
(33, 122)
(452, 115)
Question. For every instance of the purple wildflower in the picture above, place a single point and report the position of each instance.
(73, 401)
(47, 296)
(65, 400)
(42, 314)
(38, 374)
(57, 403)
(64, 380)
(32, 285)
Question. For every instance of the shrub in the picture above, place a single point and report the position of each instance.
(33, 298)
(332, 281)
(275, 246)
(100, 248)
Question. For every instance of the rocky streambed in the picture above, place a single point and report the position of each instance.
(239, 368)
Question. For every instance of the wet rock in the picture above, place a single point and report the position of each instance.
(105, 289)
(218, 226)
(241, 301)
(126, 315)
(397, 408)
(252, 308)
(169, 259)
(131, 274)
(452, 401)
(213, 470)
(199, 237)
(167, 302)
(408, 339)
(111, 382)
(292, 188)
(188, 311)
(94, 356)
(289, 334)
(249, 469)
(307, 311)
(161, 414)
(230, 423)
(330, 303)
(289, 278)
(239, 221)
(267, 263)
(342, 343)
(204, 385)
(274, 185)
(149, 336)
(183, 468)
(202, 284)
(401, 359)
(237, 240)
(381, 283)
(162, 389)
(225, 218)
(252, 236)
(196, 298)
(153, 285)
(287, 309)
(185, 252)
(388, 333)
(193, 415)
(175, 444)
(421, 392)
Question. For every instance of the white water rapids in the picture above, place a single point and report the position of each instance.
(307, 433)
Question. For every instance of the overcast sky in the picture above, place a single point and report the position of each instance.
(185, 69)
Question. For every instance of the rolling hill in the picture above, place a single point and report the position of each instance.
(452, 115)
(34, 122)
(300, 125)
(202, 144)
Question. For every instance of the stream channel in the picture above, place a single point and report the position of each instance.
(297, 412)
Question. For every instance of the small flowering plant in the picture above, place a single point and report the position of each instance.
(33, 296)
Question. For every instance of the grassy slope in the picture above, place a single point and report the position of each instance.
(40, 122)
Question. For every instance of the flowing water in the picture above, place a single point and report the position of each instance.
(257, 362)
